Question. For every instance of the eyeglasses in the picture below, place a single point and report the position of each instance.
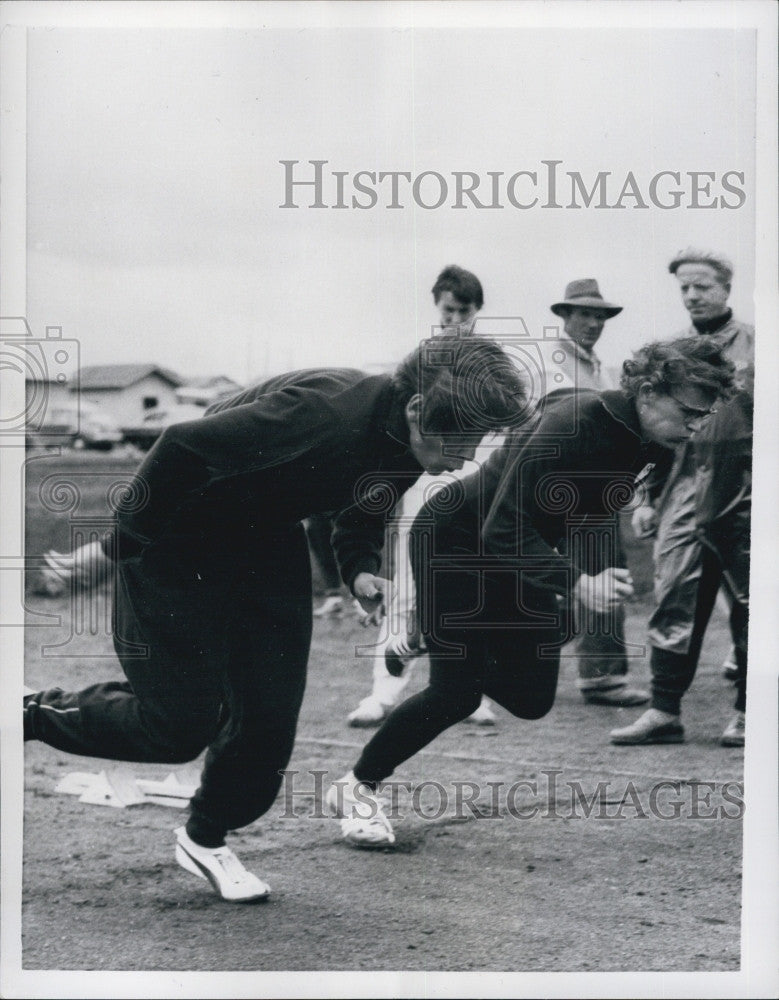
(692, 412)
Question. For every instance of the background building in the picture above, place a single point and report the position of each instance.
(129, 392)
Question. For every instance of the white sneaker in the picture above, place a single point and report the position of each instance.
(222, 869)
(483, 716)
(363, 820)
(370, 712)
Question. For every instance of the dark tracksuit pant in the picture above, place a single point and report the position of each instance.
(599, 639)
(516, 666)
(224, 640)
(319, 528)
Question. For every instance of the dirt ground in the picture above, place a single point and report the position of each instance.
(475, 889)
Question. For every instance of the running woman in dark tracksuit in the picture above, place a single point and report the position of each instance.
(213, 586)
(489, 566)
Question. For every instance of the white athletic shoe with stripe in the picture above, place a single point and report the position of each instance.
(363, 820)
(222, 869)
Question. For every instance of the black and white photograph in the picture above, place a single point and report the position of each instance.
(385, 390)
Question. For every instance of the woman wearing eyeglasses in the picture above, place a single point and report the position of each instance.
(489, 563)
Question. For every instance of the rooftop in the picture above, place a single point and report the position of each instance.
(122, 376)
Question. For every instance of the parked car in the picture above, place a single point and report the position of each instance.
(144, 435)
(76, 425)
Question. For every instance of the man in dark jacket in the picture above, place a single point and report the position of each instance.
(706, 497)
(721, 462)
(213, 584)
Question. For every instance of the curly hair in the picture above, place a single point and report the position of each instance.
(696, 361)
(469, 385)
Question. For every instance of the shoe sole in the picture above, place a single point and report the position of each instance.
(189, 864)
(366, 723)
(628, 703)
(364, 845)
(725, 742)
(615, 702)
(666, 738)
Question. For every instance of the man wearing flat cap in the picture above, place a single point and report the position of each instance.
(600, 642)
(701, 520)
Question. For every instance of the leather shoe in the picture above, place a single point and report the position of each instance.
(622, 697)
(653, 726)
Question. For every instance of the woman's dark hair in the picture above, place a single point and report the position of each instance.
(468, 385)
(696, 361)
(464, 285)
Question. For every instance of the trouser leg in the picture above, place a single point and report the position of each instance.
(319, 529)
(677, 562)
(735, 554)
(523, 667)
(466, 658)
(599, 643)
(452, 694)
(518, 669)
(672, 672)
(739, 627)
(600, 649)
(169, 707)
(266, 680)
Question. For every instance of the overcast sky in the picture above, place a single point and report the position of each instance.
(154, 183)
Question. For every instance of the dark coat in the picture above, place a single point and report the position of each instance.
(317, 441)
(571, 472)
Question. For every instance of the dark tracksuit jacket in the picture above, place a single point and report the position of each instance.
(490, 563)
(577, 468)
(213, 587)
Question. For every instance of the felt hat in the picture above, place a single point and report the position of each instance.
(584, 293)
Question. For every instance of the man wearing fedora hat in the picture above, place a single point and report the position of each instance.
(600, 643)
(584, 312)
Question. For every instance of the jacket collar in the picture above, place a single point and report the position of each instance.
(713, 325)
(622, 408)
(588, 357)
(392, 420)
